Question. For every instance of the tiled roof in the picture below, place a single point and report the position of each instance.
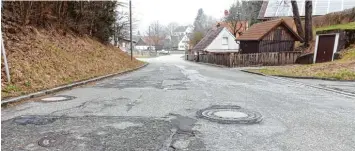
(207, 40)
(259, 30)
(143, 41)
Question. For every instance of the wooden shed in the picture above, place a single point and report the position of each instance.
(270, 36)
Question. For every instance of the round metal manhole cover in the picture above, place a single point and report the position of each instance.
(58, 98)
(51, 140)
(229, 115)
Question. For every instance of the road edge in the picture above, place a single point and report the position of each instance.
(297, 77)
(67, 86)
(208, 64)
(351, 94)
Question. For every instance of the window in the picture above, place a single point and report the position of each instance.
(225, 41)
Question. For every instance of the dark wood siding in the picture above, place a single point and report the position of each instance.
(325, 48)
(249, 46)
(278, 40)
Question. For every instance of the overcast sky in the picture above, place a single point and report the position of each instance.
(180, 11)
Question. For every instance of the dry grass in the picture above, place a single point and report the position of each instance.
(343, 69)
(347, 26)
(44, 59)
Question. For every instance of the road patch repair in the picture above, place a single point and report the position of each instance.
(229, 114)
(58, 98)
(39, 132)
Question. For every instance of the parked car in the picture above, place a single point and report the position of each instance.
(164, 52)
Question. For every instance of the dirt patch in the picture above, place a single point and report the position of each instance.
(41, 59)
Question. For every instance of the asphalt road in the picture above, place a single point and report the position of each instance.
(155, 109)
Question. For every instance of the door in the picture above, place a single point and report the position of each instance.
(325, 48)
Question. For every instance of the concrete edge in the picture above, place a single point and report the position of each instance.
(314, 78)
(339, 91)
(296, 77)
(209, 64)
(257, 73)
(65, 87)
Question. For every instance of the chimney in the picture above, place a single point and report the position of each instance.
(218, 25)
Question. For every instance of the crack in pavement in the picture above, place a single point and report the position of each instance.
(135, 102)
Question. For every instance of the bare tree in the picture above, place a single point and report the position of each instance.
(171, 27)
(156, 34)
(308, 23)
(234, 17)
(251, 10)
(297, 19)
(121, 27)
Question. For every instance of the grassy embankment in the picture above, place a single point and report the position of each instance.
(42, 59)
(342, 69)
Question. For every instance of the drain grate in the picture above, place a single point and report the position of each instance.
(36, 120)
(229, 115)
(51, 140)
(58, 98)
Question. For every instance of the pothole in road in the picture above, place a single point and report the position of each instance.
(229, 115)
(51, 140)
(36, 120)
(58, 98)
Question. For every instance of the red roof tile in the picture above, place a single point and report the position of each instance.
(259, 30)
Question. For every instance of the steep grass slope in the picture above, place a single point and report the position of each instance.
(41, 59)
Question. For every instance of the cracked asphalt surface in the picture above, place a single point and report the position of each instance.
(155, 108)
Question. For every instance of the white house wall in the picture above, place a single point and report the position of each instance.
(184, 42)
(217, 42)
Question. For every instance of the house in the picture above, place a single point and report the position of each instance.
(149, 43)
(124, 44)
(183, 30)
(179, 42)
(272, 9)
(144, 44)
(269, 36)
(217, 40)
(238, 27)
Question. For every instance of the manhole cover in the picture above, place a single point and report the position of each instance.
(36, 120)
(229, 115)
(51, 140)
(58, 98)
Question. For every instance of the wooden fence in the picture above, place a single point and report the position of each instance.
(218, 59)
(252, 59)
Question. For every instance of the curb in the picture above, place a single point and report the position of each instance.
(257, 73)
(338, 91)
(314, 78)
(65, 87)
(209, 64)
(295, 77)
(351, 94)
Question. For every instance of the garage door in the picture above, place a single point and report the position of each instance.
(325, 48)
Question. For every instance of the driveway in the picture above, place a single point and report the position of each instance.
(155, 109)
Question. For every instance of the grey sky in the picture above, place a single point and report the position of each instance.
(180, 11)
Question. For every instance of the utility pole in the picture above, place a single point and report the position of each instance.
(149, 38)
(130, 27)
(4, 54)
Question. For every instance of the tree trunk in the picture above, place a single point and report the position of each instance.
(297, 19)
(308, 23)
